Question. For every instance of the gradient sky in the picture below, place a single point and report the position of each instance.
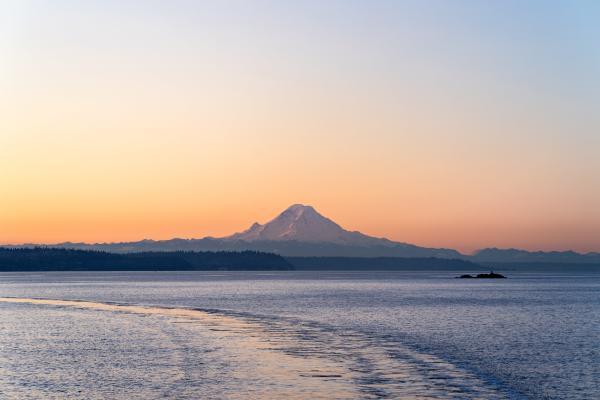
(460, 124)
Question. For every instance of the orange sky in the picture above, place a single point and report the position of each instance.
(448, 129)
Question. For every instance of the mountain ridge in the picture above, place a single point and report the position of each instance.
(511, 255)
(301, 231)
(297, 231)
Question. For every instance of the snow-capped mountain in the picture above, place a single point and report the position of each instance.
(298, 231)
(301, 230)
(304, 224)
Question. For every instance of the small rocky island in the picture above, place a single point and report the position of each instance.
(491, 275)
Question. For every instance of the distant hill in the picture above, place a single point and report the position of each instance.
(51, 259)
(494, 255)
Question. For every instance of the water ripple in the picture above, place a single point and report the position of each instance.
(156, 352)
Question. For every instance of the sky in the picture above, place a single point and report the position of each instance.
(461, 124)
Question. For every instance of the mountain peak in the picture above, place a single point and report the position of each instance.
(300, 223)
(297, 210)
(299, 206)
(300, 209)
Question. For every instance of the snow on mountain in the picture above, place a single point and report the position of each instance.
(303, 223)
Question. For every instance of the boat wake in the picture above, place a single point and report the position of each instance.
(273, 357)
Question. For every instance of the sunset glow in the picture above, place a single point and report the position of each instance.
(462, 125)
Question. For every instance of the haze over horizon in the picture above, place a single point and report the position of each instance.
(459, 124)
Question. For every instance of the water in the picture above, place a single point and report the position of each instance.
(298, 335)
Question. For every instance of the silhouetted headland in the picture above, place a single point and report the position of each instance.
(52, 259)
(58, 259)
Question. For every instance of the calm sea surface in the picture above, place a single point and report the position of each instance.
(244, 335)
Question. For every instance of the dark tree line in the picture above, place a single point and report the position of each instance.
(54, 259)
